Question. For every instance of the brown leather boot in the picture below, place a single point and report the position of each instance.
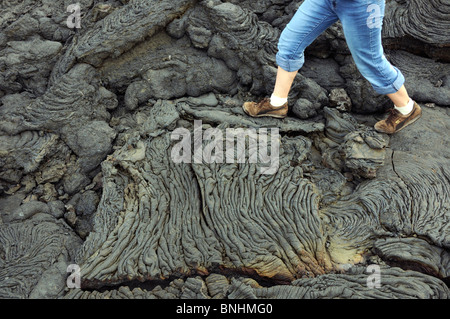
(396, 121)
(264, 108)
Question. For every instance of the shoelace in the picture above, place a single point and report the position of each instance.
(264, 100)
(393, 115)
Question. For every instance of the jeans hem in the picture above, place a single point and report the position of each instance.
(392, 88)
(289, 65)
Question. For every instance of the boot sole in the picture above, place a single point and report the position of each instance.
(411, 122)
(264, 115)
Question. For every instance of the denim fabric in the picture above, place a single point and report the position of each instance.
(361, 21)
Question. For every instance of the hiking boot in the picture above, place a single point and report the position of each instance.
(396, 121)
(264, 108)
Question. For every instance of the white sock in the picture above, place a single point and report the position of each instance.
(405, 109)
(277, 101)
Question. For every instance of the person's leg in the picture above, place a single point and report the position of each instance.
(401, 100)
(311, 19)
(362, 23)
(283, 83)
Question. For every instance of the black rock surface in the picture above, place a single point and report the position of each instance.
(90, 125)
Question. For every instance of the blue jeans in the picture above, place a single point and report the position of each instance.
(361, 21)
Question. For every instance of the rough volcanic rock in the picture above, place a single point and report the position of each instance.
(415, 254)
(426, 79)
(118, 32)
(34, 257)
(27, 64)
(205, 234)
(419, 26)
(116, 156)
(396, 284)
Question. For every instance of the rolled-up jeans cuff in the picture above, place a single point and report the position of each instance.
(289, 64)
(392, 88)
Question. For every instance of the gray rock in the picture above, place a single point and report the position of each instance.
(87, 204)
(87, 118)
(75, 182)
(323, 71)
(422, 31)
(91, 142)
(304, 109)
(414, 254)
(52, 282)
(340, 100)
(25, 211)
(137, 92)
(28, 63)
(396, 284)
(56, 208)
(209, 100)
(22, 28)
(199, 36)
(364, 152)
(74, 96)
(37, 249)
(426, 79)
